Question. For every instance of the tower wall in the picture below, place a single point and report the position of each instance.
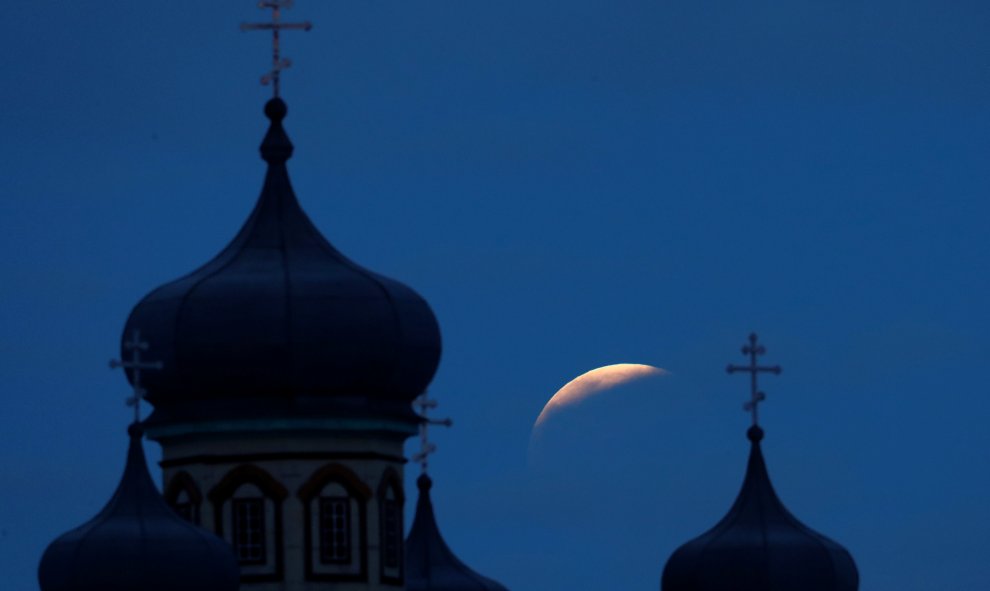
(316, 488)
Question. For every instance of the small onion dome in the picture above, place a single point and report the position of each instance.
(283, 323)
(760, 546)
(430, 565)
(138, 542)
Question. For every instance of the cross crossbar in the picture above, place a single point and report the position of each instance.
(278, 62)
(135, 346)
(753, 350)
(426, 447)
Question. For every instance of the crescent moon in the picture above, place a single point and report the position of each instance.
(593, 382)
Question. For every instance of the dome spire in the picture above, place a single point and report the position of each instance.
(430, 563)
(278, 62)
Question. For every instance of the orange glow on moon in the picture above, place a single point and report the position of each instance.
(593, 382)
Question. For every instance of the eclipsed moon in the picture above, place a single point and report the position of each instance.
(593, 382)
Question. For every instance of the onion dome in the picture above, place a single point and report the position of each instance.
(284, 324)
(760, 546)
(138, 542)
(430, 565)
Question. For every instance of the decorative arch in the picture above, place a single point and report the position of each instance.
(335, 524)
(334, 473)
(390, 499)
(183, 495)
(248, 473)
(247, 509)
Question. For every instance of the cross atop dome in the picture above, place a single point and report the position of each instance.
(425, 447)
(759, 544)
(278, 62)
(756, 396)
(135, 364)
(430, 565)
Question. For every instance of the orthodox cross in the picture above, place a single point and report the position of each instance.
(426, 448)
(756, 397)
(278, 62)
(135, 364)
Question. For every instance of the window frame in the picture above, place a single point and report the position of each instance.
(391, 482)
(357, 492)
(331, 556)
(258, 525)
(182, 482)
(272, 491)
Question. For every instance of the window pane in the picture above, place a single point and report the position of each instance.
(248, 530)
(335, 530)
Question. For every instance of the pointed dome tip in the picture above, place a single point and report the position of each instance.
(424, 482)
(276, 147)
(754, 434)
(276, 109)
(135, 431)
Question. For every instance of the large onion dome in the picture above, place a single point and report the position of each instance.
(281, 324)
(430, 564)
(138, 542)
(760, 546)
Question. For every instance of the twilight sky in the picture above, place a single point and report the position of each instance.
(569, 184)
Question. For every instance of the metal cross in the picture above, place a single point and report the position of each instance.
(135, 346)
(756, 397)
(426, 448)
(278, 63)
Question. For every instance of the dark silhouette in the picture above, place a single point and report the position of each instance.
(284, 323)
(759, 545)
(430, 564)
(137, 542)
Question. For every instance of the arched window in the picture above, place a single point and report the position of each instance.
(335, 519)
(390, 526)
(247, 510)
(184, 497)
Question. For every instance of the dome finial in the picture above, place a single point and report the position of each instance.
(424, 404)
(756, 397)
(135, 364)
(278, 63)
(276, 147)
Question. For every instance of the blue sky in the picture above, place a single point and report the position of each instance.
(569, 185)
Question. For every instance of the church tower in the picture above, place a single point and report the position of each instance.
(284, 395)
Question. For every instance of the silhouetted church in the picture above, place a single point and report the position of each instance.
(282, 402)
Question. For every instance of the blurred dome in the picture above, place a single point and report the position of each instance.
(138, 542)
